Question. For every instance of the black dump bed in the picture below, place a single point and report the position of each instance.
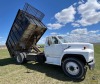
(26, 30)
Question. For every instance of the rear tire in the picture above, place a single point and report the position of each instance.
(20, 58)
(74, 68)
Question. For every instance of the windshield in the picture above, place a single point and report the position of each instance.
(62, 39)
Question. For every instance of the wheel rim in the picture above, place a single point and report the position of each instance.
(72, 68)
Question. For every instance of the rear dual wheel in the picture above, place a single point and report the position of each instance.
(21, 58)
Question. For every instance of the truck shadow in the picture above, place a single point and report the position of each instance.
(7, 61)
(52, 71)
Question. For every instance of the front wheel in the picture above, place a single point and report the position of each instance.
(73, 68)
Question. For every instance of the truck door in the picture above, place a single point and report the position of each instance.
(47, 49)
(53, 47)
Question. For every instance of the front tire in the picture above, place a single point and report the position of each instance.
(73, 68)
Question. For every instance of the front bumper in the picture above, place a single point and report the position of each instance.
(91, 65)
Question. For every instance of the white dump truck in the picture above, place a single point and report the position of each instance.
(26, 31)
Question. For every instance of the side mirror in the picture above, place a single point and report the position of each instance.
(49, 42)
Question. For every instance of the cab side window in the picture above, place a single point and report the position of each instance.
(55, 40)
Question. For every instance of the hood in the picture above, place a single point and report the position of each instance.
(78, 46)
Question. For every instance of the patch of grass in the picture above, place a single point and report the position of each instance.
(42, 49)
(34, 73)
(4, 53)
(97, 56)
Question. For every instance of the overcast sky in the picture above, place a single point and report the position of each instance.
(78, 20)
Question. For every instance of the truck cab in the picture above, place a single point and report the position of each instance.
(73, 57)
